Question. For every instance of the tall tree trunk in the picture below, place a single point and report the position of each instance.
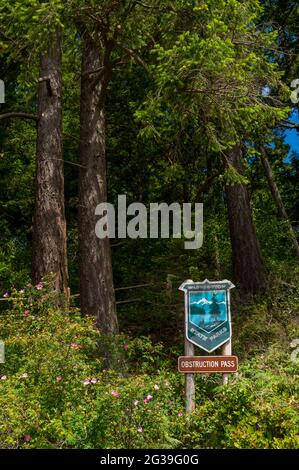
(49, 225)
(247, 261)
(277, 199)
(96, 279)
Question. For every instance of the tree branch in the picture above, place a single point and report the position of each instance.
(133, 54)
(144, 5)
(206, 184)
(290, 125)
(132, 287)
(17, 114)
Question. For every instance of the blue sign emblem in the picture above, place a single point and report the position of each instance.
(207, 313)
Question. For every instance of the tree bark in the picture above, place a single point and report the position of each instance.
(49, 225)
(277, 199)
(248, 269)
(96, 279)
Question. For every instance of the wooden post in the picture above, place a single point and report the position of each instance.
(226, 351)
(189, 380)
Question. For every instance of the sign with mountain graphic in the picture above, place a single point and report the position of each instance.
(207, 313)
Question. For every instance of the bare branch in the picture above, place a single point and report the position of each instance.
(91, 72)
(132, 287)
(129, 301)
(290, 125)
(205, 186)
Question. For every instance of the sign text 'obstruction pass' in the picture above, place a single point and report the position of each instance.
(190, 364)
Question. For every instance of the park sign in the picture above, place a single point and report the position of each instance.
(191, 364)
(207, 313)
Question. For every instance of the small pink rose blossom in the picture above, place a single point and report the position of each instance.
(26, 313)
(21, 291)
(86, 382)
(114, 393)
(39, 286)
(149, 397)
(23, 376)
(180, 414)
(126, 346)
(94, 380)
(58, 378)
(74, 346)
(27, 438)
(139, 429)
(5, 295)
(4, 377)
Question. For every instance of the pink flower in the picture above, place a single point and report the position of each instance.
(4, 377)
(126, 346)
(27, 438)
(74, 346)
(147, 399)
(136, 402)
(86, 382)
(180, 414)
(23, 376)
(139, 429)
(21, 291)
(5, 295)
(26, 313)
(114, 393)
(58, 378)
(39, 286)
(93, 380)
(156, 387)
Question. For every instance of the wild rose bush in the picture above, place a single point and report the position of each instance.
(65, 385)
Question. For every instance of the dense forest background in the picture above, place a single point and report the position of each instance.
(163, 101)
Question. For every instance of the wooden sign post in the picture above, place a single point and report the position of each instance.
(189, 380)
(226, 351)
(208, 326)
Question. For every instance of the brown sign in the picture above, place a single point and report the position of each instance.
(208, 364)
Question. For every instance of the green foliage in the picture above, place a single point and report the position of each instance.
(258, 409)
(57, 391)
(210, 75)
(55, 386)
(270, 320)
